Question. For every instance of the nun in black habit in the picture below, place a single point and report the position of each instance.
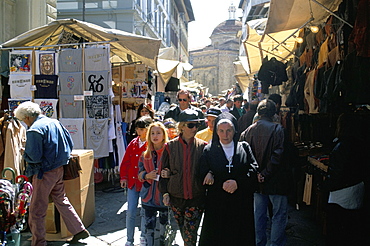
(230, 172)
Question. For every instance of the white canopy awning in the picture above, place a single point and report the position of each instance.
(292, 14)
(259, 46)
(127, 46)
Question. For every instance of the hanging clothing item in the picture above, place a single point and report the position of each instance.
(75, 128)
(97, 107)
(70, 83)
(97, 82)
(96, 59)
(70, 108)
(20, 86)
(273, 72)
(13, 103)
(46, 86)
(70, 60)
(311, 100)
(48, 107)
(111, 128)
(97, 137)
(15, 141)
(120, 140)
(46, 62)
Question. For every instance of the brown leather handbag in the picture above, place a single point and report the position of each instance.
(72, 169)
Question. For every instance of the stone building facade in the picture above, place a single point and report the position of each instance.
(213, 64)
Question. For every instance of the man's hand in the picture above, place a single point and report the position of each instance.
(260, 178)
(208, 179)
(166, 199)
(165, 173)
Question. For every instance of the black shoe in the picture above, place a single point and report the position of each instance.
(81, 235)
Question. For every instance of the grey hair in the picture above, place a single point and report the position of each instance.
(27, 109)
(224, 121)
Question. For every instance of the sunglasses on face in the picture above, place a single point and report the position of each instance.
(184, 100)
(191, 125)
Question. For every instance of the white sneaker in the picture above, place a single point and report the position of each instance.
(142, 241)
(129, 244)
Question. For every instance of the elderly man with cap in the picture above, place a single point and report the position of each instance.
(180, 181)
(266, 139)
(207, 133)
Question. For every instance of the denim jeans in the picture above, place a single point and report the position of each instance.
(132, 202)
(278, 222)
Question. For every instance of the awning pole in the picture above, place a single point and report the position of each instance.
(331, 12)
(55, 45)
(291, 35)
(291, 52)
(255, 46)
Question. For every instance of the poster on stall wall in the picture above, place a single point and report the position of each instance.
(75, 128)
(116, 74)
(128, 72)
(20, 86)
(46, 62)
(97, 107)
(20, 62)
(96, 59)
(140, 72)
(70, 83)
(48, 107)
(97, 137)
(97, 82)
(70, 60)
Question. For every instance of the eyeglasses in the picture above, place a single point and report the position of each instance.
(191, 125)
(184, 100)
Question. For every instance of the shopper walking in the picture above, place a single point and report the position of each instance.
(149, 166)
(181, 183)
(47, 150)
(266, 139)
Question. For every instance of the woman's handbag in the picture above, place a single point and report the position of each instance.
(170, 232)
(72, 169)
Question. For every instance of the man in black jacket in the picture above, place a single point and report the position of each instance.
(238, 111)
(266, 139)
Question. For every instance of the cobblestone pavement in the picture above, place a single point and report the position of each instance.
(109, 225)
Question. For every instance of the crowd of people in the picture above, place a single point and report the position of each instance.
(197, 161)
(224, 163)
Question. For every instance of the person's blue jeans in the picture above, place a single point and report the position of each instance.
(278, 222)
(132, 202)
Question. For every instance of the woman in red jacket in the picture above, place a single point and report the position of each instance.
(129, 178)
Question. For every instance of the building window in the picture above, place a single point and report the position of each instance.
(109, 4)
(94, 5)
(67, 5)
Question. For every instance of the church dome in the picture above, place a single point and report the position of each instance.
(228, 26)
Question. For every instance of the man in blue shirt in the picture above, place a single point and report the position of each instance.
(48, 148)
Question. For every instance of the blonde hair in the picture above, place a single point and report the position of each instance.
(147, 152)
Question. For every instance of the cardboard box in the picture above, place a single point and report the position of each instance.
(80, 192)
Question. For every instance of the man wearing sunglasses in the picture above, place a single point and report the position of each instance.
(184, 99)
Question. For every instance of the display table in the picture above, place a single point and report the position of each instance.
(80, 192)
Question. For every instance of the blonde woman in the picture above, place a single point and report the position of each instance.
(151, 198)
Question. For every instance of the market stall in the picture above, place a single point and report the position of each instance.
(328, 74)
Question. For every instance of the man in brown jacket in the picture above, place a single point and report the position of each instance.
(180, 180)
